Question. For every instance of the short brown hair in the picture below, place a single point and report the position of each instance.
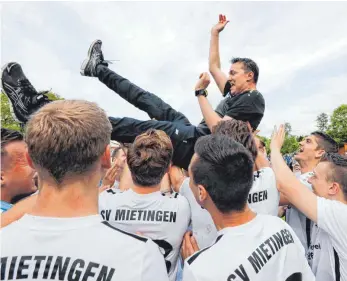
(238, 131)
(67, 137)
(325, 142)
(149, 157)
(338, 169)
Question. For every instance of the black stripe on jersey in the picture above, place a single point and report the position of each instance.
(126, 233)
(193, 257)
(176, 195)
(308, 232)
(337, 266)
(111, 191)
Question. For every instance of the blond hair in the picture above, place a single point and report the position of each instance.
(67, 137)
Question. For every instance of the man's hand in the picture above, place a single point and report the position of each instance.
(220, 25)
(189, 246)
(204, 81)
(103, 188)
(277, 138)
(177, 177)
(113, 173)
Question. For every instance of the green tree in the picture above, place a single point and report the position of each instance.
(287, 128)
(338, 124)
(322, 122)
(267, 143)
(290, 145)
(7, 120)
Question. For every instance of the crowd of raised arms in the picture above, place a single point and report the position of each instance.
(85, 196)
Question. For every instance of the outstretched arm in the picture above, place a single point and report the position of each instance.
(214, 60)
(296, 192)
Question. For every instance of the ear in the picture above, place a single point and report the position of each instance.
(320, 153)
(3, 178)
(334, 189)
(30, 162)
(202, 193)
(250, 76)
(106, 158)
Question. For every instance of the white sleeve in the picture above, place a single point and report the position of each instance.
(188, 274)
(331, 217)
(153, 264)
(188, 193)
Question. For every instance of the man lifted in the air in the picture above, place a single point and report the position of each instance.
(242, 101)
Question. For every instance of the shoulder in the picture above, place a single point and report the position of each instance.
(333, 208)
(200, 253)
(114, 231)
(265, 173)
(273, 222)
(120, 239)
(256, 98)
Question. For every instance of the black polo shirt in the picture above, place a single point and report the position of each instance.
(247, 106)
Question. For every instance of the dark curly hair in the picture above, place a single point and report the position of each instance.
(149, 157)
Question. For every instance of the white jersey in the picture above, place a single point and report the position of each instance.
(164, 219)
(297, 220)
(263, 249)
(203, 226)
(264, 197)
(328, 251)
(82, 248)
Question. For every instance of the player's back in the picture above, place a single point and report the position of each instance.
(265, 248)
(264, 197)
(82, 248)
(162, 218)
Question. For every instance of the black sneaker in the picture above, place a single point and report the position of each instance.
(24, 99)
(95, 58)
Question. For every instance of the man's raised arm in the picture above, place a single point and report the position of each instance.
(210, 116)
(296, 192)
(214, 60)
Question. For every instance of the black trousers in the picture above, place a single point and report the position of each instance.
(182, 133)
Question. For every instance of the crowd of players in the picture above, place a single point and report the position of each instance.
(174, 201)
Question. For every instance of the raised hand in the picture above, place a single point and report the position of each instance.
(220, 25)
(204, 81)
(277, 138)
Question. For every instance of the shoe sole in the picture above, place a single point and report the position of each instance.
(10, 102)
(85, 62)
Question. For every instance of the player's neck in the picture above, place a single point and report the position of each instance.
(339, 197)
(307, 166)
(77, 199)
(145, 189)
(233, 219)
(250, 87)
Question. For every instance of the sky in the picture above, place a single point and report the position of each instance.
(300, 48)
